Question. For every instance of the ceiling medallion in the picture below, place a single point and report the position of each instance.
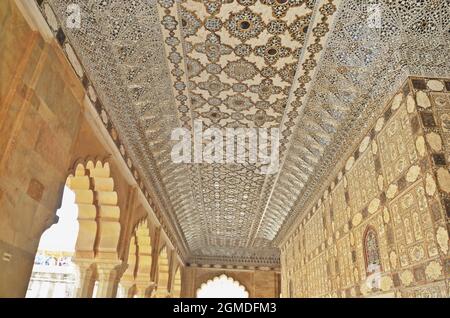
(273, 50)
(280, 7)
(241, 70)
(244, 24)
(239, 102)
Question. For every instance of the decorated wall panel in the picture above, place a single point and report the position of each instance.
(380, 227)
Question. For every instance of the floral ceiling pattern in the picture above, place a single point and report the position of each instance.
(318, 70)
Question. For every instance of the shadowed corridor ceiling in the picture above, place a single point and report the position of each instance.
(318, 70)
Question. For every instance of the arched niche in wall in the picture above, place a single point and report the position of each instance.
(372, 251)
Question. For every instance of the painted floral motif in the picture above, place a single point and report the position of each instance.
(214, 85)
(189, 23)
(213, 48)
(287, 73)
(433, 270)
(241, 70)
(213, 68)
(265, 89)
(299, 27)
(239, 102)
(273, 50)
(276, 27)
(215, 115)
(245, 24)
(197, 101)
(194, 67)
(260, 118)
(280, 7)
(213, 24)
(279, 105)
(243, 50)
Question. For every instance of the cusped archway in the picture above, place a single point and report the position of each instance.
(99, 225)
(222, 287)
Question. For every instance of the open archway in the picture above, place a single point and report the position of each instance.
(54, 273)
(98, 217)
(88, 227)
(222, 287)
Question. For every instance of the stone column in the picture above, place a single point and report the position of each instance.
(38, 289)
(86, 279)
(109, 274)
(51, 290)
(128, 287)
(143, 289)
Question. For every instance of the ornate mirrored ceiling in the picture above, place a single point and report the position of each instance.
(318, 70)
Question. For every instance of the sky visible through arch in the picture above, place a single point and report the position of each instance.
(222, 287)
(62, 236)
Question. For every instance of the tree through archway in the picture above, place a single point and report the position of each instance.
(222, 287)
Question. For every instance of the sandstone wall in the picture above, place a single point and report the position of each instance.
(381, 227)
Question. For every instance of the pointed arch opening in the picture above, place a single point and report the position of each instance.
(372, 251)
(222, 287)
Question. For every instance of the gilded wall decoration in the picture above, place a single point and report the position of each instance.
(396, 153)
(397, 242)
(362, 182)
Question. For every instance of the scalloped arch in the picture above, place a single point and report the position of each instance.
(222, 286)
(98, 210)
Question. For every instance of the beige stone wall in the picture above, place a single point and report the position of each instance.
(258, 283)
(388, 205)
